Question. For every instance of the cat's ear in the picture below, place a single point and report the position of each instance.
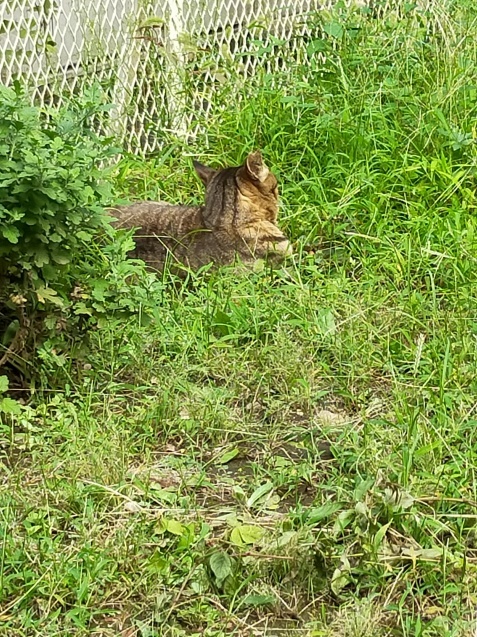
(205, 173)
(256, 167)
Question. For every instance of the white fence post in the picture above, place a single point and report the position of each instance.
(175, 60)
(129, 59)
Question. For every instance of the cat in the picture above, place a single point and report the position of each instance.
(237, 222)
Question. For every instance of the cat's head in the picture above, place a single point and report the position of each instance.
(240, 195)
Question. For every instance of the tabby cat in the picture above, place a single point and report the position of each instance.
(237, 222)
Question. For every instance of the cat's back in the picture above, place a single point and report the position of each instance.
(158, 217)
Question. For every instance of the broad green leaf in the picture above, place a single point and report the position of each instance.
(258, 600)
(3, 383)
(326, 322)
(285, 538)
(10, 332)
(50, 272)
(362, 488)
(61, 258)
(160, 527)
(82, 308)
(41, 257)
(221, 566)
(361, 508)
(10, 406)
(378, 538)
(74, 218)
(259, 493)
(163, 494)
(223, 323)
(236, 538)
(342, 521)
(341, 576)
(321, 513)
(49, 295)
(157, 563)
(334, 29)
(246, 534)
(84, 236)
(316, 46)
(98, 290)
(11, 234)
(227, 456)
(174, 527)
(406, 500)
(53, 193)
(339, 580)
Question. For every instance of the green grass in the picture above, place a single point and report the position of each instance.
(289, 452)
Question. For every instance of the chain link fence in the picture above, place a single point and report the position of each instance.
(162, 64)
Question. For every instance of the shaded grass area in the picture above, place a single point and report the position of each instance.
(290, 452)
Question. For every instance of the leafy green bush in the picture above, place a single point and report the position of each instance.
(61, 263)
(52, 188)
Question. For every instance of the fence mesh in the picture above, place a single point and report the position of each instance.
(161, 63)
